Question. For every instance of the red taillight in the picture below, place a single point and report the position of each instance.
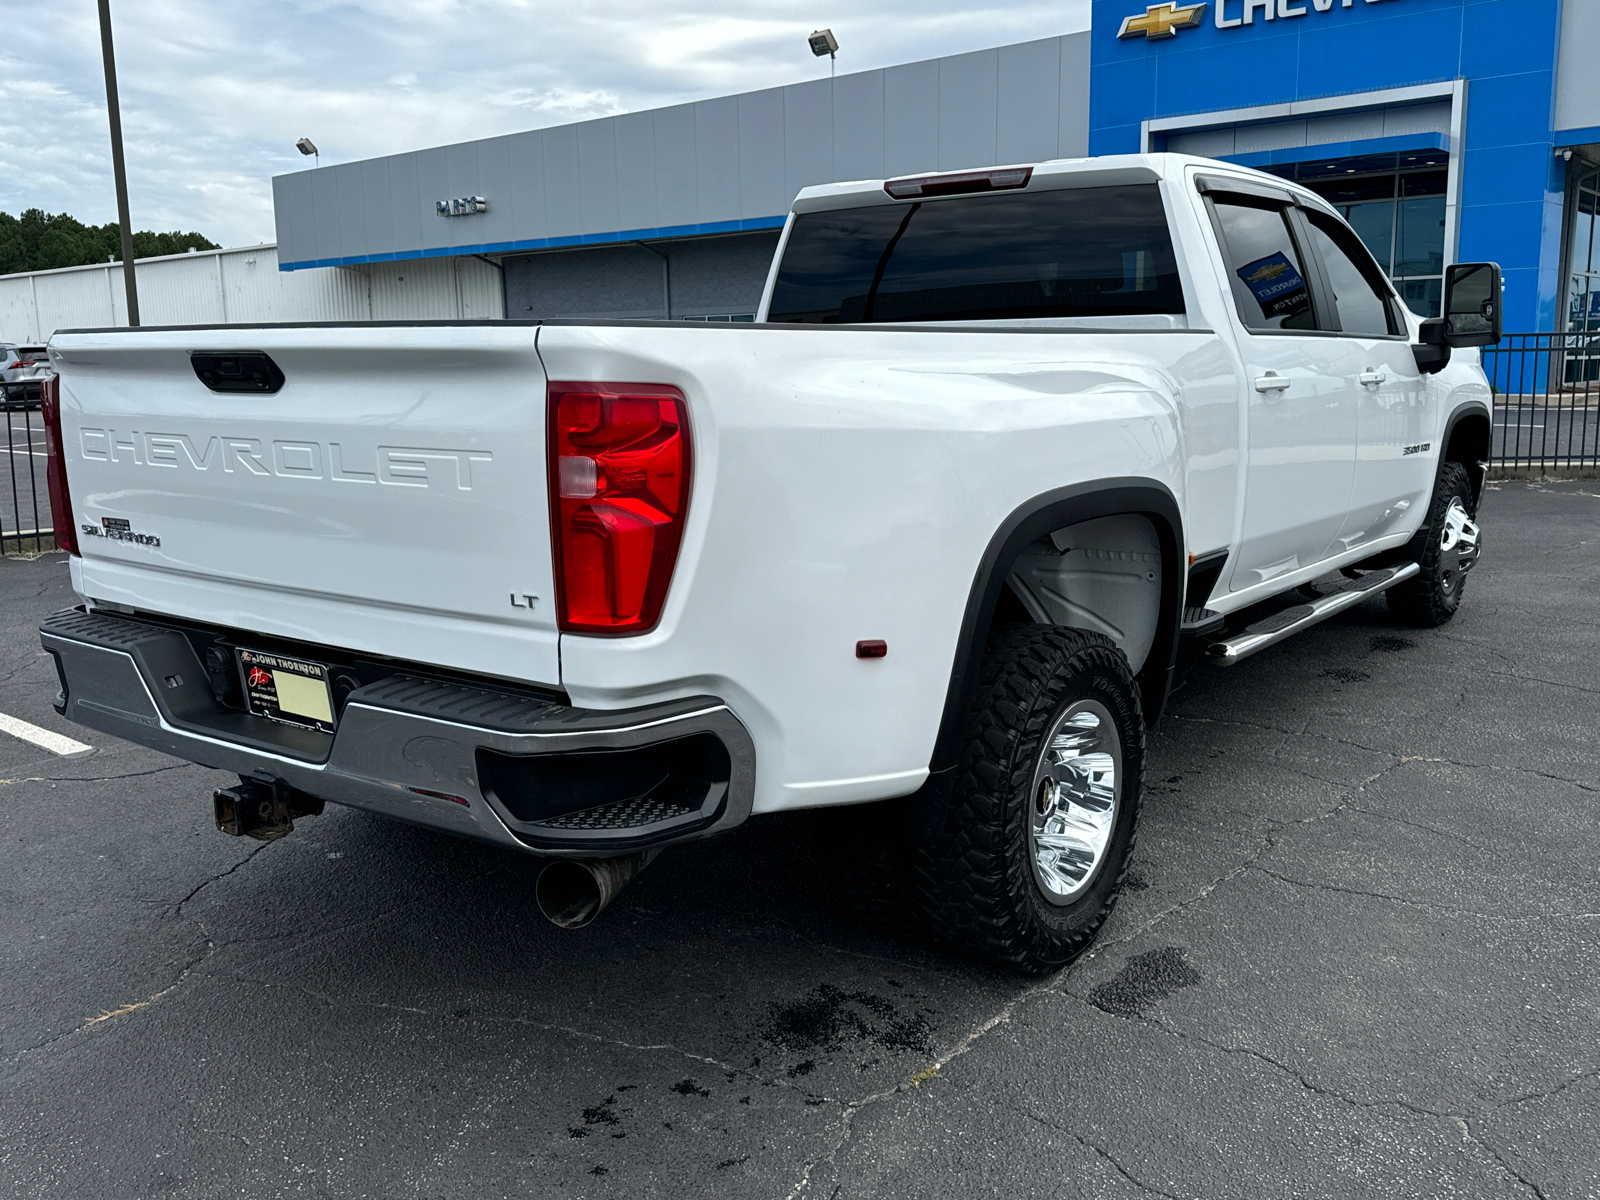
(56, 465)
(619, 487)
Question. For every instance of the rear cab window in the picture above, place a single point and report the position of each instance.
(1027, 255)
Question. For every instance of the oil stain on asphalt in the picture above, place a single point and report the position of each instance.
(829, 1018)
(1144, 979)
(1388, 641)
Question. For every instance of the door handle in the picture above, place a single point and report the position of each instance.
(1372, 378)
(1272, 382)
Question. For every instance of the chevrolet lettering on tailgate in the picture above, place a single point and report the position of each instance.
(401, 466)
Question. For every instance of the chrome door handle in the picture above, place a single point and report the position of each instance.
(1372, 378)
(1272, 382)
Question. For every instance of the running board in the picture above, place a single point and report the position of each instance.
(1303, 616)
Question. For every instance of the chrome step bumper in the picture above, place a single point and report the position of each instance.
(423, 750)
(1303, 616)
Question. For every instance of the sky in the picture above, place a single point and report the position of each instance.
(214, 95)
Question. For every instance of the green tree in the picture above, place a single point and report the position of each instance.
(40, 241)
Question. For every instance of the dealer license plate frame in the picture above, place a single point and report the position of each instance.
(262, 698)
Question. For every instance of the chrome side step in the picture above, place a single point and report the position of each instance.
(1303, 616)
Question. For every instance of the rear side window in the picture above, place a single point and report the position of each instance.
(1264, 265)
(1090, 252)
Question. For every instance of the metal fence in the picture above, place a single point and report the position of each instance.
(1547, 401)
(24, 493)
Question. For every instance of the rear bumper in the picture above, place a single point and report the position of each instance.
(516, 770)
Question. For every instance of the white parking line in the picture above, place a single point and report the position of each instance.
(52, 742)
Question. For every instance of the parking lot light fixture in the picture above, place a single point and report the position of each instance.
(823, 42)
(307, 146)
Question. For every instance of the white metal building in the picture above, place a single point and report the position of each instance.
(220, 287)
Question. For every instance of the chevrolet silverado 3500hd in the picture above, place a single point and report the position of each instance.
(933, 530)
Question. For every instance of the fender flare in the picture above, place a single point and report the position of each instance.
(1462, 413)
(1027, 523)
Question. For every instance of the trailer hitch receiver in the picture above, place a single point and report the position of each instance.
(262, 810)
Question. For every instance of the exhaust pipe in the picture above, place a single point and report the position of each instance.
(572, 891)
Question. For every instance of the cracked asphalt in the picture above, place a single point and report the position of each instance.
(1357, 957)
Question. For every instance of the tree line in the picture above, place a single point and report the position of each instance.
(41, 241)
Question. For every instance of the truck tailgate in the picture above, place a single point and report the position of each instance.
(390, 498)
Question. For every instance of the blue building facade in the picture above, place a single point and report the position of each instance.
(1446, 130)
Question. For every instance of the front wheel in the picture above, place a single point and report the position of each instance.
(1045, 803)
(1446, 548)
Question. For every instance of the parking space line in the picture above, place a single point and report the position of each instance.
(52, 742)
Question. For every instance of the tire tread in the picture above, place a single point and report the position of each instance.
(969, 879)
(1422, 601)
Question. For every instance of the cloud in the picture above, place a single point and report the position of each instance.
(214, 95)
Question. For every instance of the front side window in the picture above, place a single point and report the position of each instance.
(1070, 252)
(1400, 217)
(1358, 300)
(1269, 281)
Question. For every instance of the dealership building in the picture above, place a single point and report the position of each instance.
(1446, 130)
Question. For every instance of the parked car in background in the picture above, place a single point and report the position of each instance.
(24, 367)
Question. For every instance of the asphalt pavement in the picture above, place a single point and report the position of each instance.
(1356, 958)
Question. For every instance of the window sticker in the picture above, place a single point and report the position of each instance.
(1276, 285)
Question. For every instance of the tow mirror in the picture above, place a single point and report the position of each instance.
(1472, 304)
(1471, 315)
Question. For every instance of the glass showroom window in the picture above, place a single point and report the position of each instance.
(1583, 270)
(1400, 217)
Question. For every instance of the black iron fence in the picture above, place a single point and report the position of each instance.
(1546, 402)
(24, 492)
(1547, 417)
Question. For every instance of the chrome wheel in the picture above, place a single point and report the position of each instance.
(1077, 786)
(1458, 546)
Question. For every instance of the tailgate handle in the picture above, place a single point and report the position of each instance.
(237, 371)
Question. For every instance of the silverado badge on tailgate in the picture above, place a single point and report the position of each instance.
(291, 690)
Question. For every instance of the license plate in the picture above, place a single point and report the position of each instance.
(290, 690)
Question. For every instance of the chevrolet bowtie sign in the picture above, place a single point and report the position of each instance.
(1160, 21)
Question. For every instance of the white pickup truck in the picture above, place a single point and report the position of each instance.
(1002, 450)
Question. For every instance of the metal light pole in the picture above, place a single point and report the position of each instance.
(117, 167)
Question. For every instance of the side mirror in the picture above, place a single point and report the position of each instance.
(1472, 304)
